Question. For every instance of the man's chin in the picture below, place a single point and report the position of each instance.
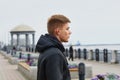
(65, 41)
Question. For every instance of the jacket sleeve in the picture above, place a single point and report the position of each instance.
(54, 69)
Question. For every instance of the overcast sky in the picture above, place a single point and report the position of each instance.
(92, 21)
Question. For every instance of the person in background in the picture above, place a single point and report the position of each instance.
(52, 63)
(70, 53)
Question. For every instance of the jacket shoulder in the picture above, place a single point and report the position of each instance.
(52, 51)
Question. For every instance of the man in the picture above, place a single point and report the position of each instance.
(52, 64)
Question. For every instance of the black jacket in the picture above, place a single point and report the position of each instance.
(52, 64)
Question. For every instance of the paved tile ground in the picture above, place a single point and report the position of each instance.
(8, 71)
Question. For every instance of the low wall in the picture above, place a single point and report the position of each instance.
(12, 60)
(24, 69)
(30, 72)
(6, 56)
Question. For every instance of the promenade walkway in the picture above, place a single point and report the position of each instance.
(8, 71)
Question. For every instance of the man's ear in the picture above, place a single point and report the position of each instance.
(57, 30)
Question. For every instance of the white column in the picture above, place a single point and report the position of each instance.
(26, 42)
(18, 39)
(33, 43)
(12, 39)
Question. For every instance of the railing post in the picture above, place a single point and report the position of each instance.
(28, 57)
(20, 55)
(81, 72)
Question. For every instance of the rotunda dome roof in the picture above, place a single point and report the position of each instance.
(22, 28)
